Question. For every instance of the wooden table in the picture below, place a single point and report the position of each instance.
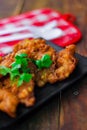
(67, 110)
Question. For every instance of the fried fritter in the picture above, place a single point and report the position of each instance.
(63, 64)
(24, 93)
(8, 102)
(11, 95)
(34, 48)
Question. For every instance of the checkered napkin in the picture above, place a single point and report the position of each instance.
(40, 18)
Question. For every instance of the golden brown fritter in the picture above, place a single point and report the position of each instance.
(24, 93)
(34, 48)
(62, 67)
(11, 95)
(8, 102)
(63, 64)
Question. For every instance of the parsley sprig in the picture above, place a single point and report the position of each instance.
(19, 68)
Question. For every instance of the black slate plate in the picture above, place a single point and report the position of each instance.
(43, 94)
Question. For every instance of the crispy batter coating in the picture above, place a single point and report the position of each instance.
(11, 95)
(8, 102)
(34, 48)
(24, 93)
(63, 64)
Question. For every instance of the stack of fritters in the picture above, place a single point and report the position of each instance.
(63, 64)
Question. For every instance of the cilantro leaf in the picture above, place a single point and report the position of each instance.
(16, 65)
(45, 57)
(38, 63)
(4, 70)
(26, 70)
(24, 77)
(22, 55)
(24, 62)
(44, 62)
(20, 82)
(14, 73)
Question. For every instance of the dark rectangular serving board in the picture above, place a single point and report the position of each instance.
(47, 92)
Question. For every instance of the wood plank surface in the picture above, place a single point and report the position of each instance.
(73, 113)
(67, 110)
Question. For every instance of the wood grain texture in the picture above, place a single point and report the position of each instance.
(68, 112)
(73, 115)
(7, 7)
(46, 118)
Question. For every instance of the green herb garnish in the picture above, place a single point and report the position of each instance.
(44, 62)
(25, 77)
(20, 71)
(4, 70)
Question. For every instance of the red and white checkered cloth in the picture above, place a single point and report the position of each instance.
(41, 17)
